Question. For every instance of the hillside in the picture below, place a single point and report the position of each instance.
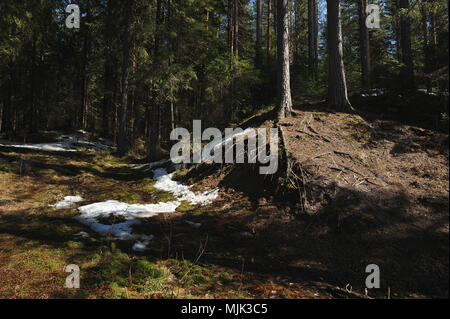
(359, 189)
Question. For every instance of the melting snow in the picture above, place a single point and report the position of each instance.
(66, 143)
(68, 202)
(82, 234)
(182, 192)
(132, 213)
(195, 225)
(149, 166)
(52, 147)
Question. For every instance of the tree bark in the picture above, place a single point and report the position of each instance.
(107, 98)
(231, 26)
(337, 86)
(284, 100)
(275, 22)
(364, 47)
(84, 77)
(155, 128)
(269, 27)
(259, 32)
(426, 49)
(7, 106)
(405, 43)
(236, 27)
(312, 36)
(122, 138)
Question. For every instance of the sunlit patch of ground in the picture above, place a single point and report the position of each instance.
(377, 192)
(37, 241)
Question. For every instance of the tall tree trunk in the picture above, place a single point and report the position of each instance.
(155, 128)
(31, 113)
(236, 27)
(269, 27)
(337, 86)
(275, 21)
(284, 100)
(364, 43)
(231, 26)
(434, 28)
(426, 49)
(7, 106)
(122, 138)
(106, 98)
(84, 78)
(316, 38)
(312, 36)
(405, 43)
(259, 9)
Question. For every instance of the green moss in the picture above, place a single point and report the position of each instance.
(74, 244)
(5, 166)
(118, 291)
(225, 277)
(127, 197)
(185, 206)
(115, 266)
(146, 271)
(162, 196)
(190, 273)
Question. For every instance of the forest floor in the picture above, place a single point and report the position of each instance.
(374, 191)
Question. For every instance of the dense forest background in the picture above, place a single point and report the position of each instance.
(136, 69)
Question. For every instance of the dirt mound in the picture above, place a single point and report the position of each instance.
(360, 190)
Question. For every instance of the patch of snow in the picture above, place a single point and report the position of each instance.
(182, 192)
(149, 166)
(195, 225)
(51, 147)
(74, 141)
(142, 245)
(68, 202)
(132, 213)
(82, 234)
(66, 143)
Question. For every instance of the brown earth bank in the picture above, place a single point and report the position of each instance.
(358, 189)
(362, 189)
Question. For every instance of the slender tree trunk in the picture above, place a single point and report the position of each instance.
(122, 138)
(155, 128)
(236, 27)
(106, 98)
(275, 21)
(405, 43)
(316, 38)
(231, 26)
(84, 77)
(31, 113)
(269, 27)
(426, 52)
(312, 36)
(364, 43)
(433, 28)
(259, 9)
(6, 114)
(337, 86)
(284, 100)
